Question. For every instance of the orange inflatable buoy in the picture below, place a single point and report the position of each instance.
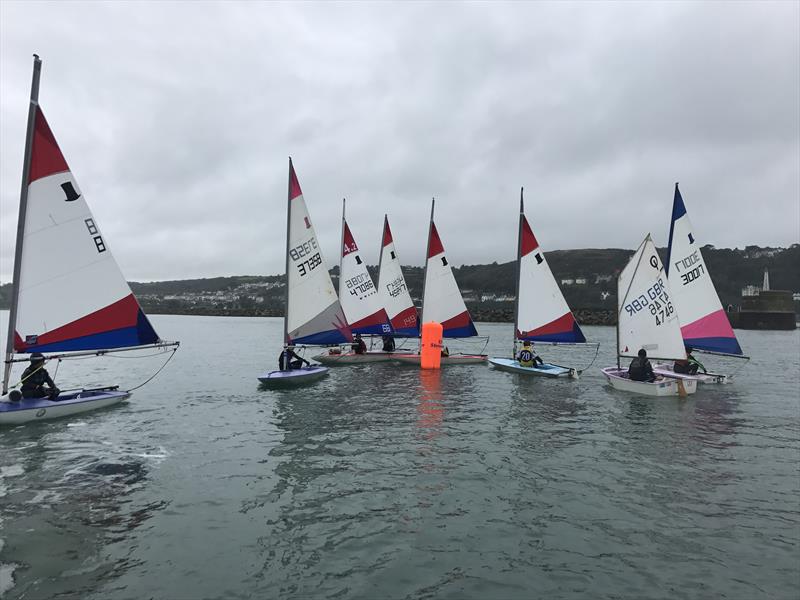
(431, 348)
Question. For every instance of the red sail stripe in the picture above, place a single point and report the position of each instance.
(46, 157)
(529, 243)
(294, 185)
(122, 313)
(376, 318)
(435, 244)
(562, 324)
(387, 234)
(348, 243)
(461, 320)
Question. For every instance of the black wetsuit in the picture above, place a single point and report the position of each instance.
(640, 369)
(34, 380)
(388, 343)
(359, 346)
(294, 361)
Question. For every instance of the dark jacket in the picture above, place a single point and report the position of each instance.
(33, 378)
(640, 369)
(288, 359)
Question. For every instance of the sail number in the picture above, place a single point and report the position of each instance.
(690, 268)
(656, 300)
(360, 284)
(302, 250)
(396, 287)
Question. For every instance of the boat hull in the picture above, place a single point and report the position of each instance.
(351, 358)
(453, 359)
(544, 370)
(41, 409)
(293, 377)
(667, 371)
(667, 386)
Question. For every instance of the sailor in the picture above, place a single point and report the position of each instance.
(640, 368)
(445, 351)
(36, 381)
(689, 365)
(358, 346)
(388, 343)
(289, 360)
(527, 357)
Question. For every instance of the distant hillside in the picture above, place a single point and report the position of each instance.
(587, 278)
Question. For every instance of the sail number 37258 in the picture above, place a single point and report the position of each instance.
(302, 250)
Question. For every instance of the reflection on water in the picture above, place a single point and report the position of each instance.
(430, 410)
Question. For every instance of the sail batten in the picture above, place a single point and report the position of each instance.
(704, 323)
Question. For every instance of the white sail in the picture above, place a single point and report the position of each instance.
(393, 289)
(704, 323)
(313, 312)
(358, 295)
(442, 301)
(71, 295)
(646, 314)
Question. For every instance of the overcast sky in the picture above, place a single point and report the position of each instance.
(177, 119)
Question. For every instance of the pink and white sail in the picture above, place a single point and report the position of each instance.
(442, 301)
(646, 314)
(393, 289)
(359, 297)
(313, 312)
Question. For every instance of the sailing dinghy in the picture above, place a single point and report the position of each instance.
(69, 297)
(442, 303)
(704, 324)
(541, 314)
(646, 318)
(360, 302)
(393, 289)
(314, 315)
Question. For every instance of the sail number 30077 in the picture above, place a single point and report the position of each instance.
(656, 300)
(299, 252)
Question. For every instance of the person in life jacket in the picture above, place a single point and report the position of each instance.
(289, 360)
(527, 357)
(36, 381)
(640, 368)
(358, 346)
(688, 366)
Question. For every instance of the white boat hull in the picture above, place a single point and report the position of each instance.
(41, 409)
(453, 359)
(351, 358)
(293, 377)
(667, 386)
(667, 371)
(544, 370)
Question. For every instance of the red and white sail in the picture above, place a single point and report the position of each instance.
(646, 314)
(442, 301)
(543, 314)
(313, 312)
(71, 292)
(393, 289)
(359, 297)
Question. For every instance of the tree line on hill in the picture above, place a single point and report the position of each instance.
(587, 277)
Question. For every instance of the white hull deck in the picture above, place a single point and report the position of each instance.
(41, 409)
(667, 386)
(453, 359)
(293, 376)
(666, 371)
(333, 359)
(544, 370)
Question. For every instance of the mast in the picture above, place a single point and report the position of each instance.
(425, 272)
(519, 261)
(288, 225)
(380, 259)
(23, 208)
(341, 251)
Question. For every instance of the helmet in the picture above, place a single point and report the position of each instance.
(37, 357)
(642, 353)
(526, 343)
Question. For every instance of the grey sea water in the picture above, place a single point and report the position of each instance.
(385, 482)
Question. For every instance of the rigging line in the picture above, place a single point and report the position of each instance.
(146, 381)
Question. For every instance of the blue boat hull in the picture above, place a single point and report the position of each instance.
(293, 377)
(545, 370)
(69, 403)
